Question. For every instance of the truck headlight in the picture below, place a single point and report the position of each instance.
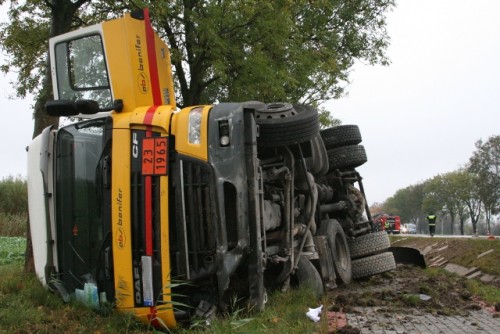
(194, 126)
(224, 133)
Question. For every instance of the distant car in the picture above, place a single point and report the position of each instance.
(409, 229)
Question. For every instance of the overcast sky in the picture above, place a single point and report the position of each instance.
(419, 117)
(422, 115)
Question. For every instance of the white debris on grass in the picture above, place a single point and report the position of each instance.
(313, 313)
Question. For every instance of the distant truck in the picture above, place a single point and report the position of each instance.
(388, 223)
(167, 213)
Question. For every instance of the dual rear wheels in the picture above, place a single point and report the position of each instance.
(342, 144)
(361, 257)
(369, 255)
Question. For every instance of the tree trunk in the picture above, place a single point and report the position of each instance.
(487, 214)
(452, 222)
(29, 262)
(42, 120)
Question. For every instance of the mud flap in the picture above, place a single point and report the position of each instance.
(408, 255)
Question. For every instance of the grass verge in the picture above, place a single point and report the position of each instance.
(284, 313)
(27, 307)
(467, 252)
(488, 293)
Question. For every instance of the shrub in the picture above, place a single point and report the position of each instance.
(13, 206)
(13, 225)
(13, 196)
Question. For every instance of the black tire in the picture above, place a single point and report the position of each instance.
(339, 249)
(344, 157)
(282, 124)
(341, 135)
(373, 265)
(369, 244)
(308, 276)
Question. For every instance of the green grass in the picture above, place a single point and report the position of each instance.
(27, 307)
(473, 248)
(284, 313)
(462, 251)
(488, 293)
(411, 300)
(44, 312)
(12, 250)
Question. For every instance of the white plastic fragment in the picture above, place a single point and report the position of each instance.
(313, 313)
(425, 297)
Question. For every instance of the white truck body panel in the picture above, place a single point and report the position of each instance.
(37, 209)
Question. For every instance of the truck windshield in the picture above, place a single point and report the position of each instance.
(81, 233)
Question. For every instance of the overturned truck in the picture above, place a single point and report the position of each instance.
(169, 213)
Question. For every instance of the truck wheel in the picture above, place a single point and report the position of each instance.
(369, 244)
(373, 265)
(341, 135)
(308, 276)
(350, 156)
(282, 124)
(339, 249)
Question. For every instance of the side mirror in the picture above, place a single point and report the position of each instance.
(71, 108)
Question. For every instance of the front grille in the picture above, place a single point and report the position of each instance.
(194, 239)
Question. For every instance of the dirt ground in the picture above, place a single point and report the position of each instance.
(408, 287)
(410, 290)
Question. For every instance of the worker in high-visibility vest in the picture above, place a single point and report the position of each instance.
(431, 218)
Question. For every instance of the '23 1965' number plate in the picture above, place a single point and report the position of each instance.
(154, 156)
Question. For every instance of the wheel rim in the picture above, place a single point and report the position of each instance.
(339, 250)
(276, 110)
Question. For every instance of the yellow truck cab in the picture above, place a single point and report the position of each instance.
(169, 213)
(92, 171)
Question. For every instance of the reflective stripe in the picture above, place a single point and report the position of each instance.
(153, 62)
